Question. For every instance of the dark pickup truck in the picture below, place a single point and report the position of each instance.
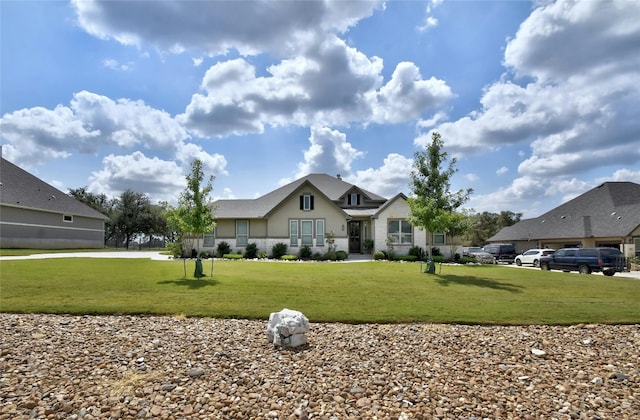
(585, 260)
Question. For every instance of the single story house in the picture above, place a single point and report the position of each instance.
(607, 215)
(306, 211)
(33, 214)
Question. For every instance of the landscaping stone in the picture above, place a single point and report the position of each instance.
(89, 367)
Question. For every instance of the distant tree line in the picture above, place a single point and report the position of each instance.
(131, 217)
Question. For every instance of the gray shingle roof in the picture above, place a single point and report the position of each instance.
(18, 188)
(610, 209)
(333, 188)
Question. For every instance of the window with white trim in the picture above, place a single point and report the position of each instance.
(319, 232)
(293, 232)
(400, 231)
(67, 218)
(306, 232)
(306, 202)
(242, 232)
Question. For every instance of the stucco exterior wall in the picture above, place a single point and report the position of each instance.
(335, 219)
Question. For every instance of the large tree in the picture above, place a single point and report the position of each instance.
(134, 216)
(194, 216)
(434, 207)
(484, 225)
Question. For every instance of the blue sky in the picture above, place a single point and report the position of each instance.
(538, 101)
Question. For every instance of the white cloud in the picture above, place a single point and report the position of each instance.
(388, 180)
(330, 153)
(115, 65)
(159, 179)
(472, 177)
(332, 85)
(214, 27)
(197, 61)
(502, 170)
(430, 21)
(577, 108)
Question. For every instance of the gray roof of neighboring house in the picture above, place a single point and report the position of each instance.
(333, 188)
(18, 188)
(610, 209)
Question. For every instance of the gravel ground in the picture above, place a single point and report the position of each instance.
(89, 367)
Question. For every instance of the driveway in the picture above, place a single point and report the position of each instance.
(153, 255)
(629, 274)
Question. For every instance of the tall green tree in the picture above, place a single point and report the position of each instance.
(484, 225)
(134, 216)
(194, 215)
(434, 207)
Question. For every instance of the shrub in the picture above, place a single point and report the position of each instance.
(418, 253)
(330, 255)
(438, 259)
(368, 245)
(175, 248)
(317, 256)
(251, 250)
(289, 257)
(466, 260)
(435, 252)
(232, 256)
(223, 248)
(204, 254)
(278, 250)
(341, 255)
(262, 254)
(378, 255)
(305, 252)
(410, 258)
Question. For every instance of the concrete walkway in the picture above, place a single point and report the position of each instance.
(153, 255)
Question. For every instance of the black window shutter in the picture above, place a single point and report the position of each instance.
(358, 199)
(311, 202)
(302, 202)
(349, 199)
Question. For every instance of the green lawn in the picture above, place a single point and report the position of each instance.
(337, 292)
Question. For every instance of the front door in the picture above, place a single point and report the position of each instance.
(354, 237)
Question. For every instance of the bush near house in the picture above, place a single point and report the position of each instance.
(278, 250)
(223, 248)
(305, 252)
(251, 251)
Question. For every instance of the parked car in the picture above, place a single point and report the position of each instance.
(502, 252)
(481, 256)
(585, 260)
(532, 256)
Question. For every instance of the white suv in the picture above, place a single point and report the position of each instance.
(532, 256)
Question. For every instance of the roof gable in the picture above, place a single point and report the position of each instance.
(610, 209)
(19, 188)
(331, 187)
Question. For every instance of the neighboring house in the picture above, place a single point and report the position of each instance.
(33, 214)
(608, 215)
(308, 210)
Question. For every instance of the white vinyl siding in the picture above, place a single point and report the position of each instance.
(242, 232)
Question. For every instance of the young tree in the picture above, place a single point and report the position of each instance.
(194, 216)
(433, 206)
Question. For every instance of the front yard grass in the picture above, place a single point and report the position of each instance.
(360, 292)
